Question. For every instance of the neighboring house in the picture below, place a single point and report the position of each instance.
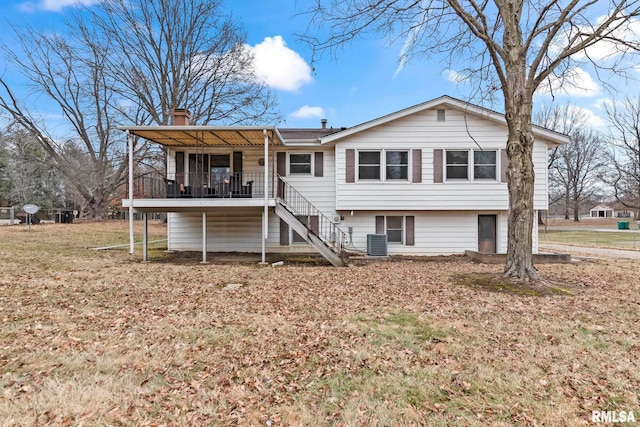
(426, 180)
(607, 210)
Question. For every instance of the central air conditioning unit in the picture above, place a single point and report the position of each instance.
(377, 245)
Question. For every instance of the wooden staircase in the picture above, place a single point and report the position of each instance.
(318, 230)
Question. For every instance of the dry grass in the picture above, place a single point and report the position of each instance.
(98, 338)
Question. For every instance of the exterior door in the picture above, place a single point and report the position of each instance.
(487, 234)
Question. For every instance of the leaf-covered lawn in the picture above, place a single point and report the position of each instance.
(99, 338)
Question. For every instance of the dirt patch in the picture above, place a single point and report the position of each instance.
(496, 282)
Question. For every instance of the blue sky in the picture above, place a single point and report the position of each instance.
(363, 82)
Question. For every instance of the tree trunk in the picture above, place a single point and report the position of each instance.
(97, 208)
(520, 179)
(520, 173)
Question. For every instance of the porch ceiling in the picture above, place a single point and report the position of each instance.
(198, 136)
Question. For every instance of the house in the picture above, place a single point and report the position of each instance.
(425, 180)
(609, 210)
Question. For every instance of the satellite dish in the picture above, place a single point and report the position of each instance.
(31, 209)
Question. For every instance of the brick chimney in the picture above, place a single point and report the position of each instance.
(181, 117)
(323, 122)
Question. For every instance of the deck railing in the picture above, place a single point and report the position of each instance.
(192, 185)
(315, 221)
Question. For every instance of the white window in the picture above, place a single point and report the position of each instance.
(484, 165)
(368, 165)
(384, 165)
(481, 165)
(395, 229)
(397, 165)
(457, 164)
(300, 163)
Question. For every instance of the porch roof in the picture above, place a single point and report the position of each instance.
(198, 136)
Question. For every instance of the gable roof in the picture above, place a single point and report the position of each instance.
(445, 101)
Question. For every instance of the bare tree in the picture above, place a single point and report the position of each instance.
(168, 54)
(510, 48)
(575, 168)
(624, 119)
(126, 61)
(70, 74)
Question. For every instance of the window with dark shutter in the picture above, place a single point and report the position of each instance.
(394, 229)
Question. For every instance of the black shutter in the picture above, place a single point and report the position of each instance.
(416, 166)
(180, 167)
(237, 161)
(410, 232)
(350, 168)
(380, 225)
(504, 164)
(437, 166)
(318, 163)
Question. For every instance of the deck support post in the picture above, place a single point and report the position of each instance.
(145, 239)
(204, 238)
(131, 242)
(265, 212)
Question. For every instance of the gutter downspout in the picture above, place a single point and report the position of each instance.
(131, 238)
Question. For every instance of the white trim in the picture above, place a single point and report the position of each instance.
(311, 163)
(470, 167)
(444, 101)
(131, 236)
(383, 165)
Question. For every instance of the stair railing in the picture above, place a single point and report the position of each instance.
(316, 222)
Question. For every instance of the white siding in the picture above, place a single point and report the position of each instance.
(436, 232)
(319, 191)
(423, 131)
(240, 230)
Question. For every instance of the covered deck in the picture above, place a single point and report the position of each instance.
(202, 187)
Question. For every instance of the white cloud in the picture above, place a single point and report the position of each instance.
(308, 112)
(455, 77)
(591, 118)
(604, 49)
(280, 67)
(52, 5)
(575, 82)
